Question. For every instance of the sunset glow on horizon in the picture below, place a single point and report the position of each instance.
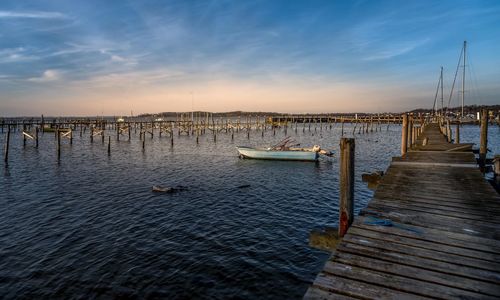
(111, 58)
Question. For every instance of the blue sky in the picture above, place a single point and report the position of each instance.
(113, 57)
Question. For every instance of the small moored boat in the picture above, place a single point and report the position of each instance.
(283, 151)
(263, 153)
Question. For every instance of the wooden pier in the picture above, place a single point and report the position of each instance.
(432, 230)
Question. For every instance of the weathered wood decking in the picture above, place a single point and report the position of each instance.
(432, 230)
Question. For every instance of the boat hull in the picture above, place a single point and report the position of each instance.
(254, 153)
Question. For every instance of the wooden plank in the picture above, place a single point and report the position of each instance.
(400, 269)
(445, 199)
(431, 164)
(480, 218)
(438, 205)
(444, 245)
(401, 283)
(382, 243)
(421, 262)
(406, 216)
(435, 194)
(315, 293)
(472, 206)
(358, 289)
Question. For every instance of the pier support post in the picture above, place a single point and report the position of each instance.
(483, 148)
(457, 134)
(58, 132)
(36, 137)
(6, 149)
(404, 135)
(109, 145)
(410, 131)
(496, 168)
(346, 199)
(448, 130)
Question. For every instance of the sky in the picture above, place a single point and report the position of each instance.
(90, 58)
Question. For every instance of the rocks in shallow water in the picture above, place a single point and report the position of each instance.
(162, 189)
(373, 179)
(324, 239)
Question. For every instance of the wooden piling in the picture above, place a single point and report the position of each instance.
(7, 143)
(58, 133)
(24, 136)
(483, 144)
(36, 137)
(109, 145)
(457, 134)
(448, 130)
(346, 199)
(404, 135)
(410, 131)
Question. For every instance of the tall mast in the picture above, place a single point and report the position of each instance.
(441, 80)
(463, 81)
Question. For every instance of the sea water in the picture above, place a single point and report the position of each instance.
(89, 226)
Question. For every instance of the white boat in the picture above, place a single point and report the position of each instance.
(268, 153)
(284, 150)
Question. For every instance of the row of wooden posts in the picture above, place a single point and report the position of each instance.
(97, 130)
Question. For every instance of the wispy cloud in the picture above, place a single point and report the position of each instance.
(146, 77)
(396, 50)
(12, 55)
(32, 14)
(47, 76)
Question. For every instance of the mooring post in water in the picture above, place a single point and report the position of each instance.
(36, 137)
(342, 131)
(404, 135)
(109, 145)
(24, 135)
(91, 134)
(483, 148)
(6, 149)
(58, 132)
(346, 201)
(457, 133)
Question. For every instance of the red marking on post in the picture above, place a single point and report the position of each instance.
(344, 223)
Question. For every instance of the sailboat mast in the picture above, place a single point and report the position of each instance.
(442, 101)
(463, 81)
